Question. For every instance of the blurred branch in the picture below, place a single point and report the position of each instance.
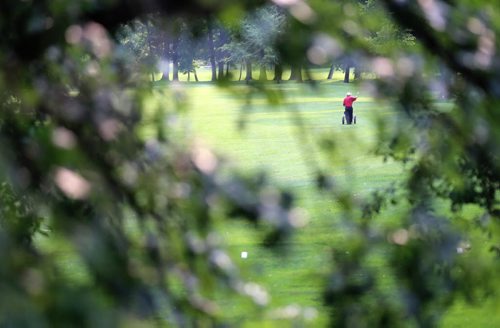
(444, 45)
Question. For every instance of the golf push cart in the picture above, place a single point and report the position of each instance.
(348, 120)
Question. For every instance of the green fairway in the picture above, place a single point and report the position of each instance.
(284, 141)
(272, 141)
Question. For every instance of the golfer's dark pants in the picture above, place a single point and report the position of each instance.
(348, 115)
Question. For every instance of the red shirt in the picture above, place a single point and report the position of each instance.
(349, 100)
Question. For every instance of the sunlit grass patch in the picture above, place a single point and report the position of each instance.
(272, 139)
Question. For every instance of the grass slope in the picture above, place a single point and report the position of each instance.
(271, 141)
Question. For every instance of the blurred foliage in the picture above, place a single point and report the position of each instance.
(140, 213)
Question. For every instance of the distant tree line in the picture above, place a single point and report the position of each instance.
(180, 45)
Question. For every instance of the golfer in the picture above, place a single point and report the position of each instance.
(348, 100)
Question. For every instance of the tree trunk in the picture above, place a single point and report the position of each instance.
(347, 73)
(221, 70)
(221, 54)
(150, 48)
(263, 69)
(263, 73)
(241, 71)
(166, 72)
(249, 71)
(211, 50)
(330, 73)
(357, 72)
(166, 59)
(227, 69)
(278, 73)
(296, 73)
(189, 76)
(195, 76)
(175, 60)
(175, 76)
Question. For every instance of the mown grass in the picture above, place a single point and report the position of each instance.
(272, 141)
(283, 141)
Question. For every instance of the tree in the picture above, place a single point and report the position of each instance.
(222, 55)
(331, 71)
(211, 49)
(296, 73)
(137, 38)
(187, 52)
(260, 33)
(164, 39)
(237, 54)
(348, 62)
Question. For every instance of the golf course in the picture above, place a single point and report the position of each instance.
(250, 163)
(284, 139)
